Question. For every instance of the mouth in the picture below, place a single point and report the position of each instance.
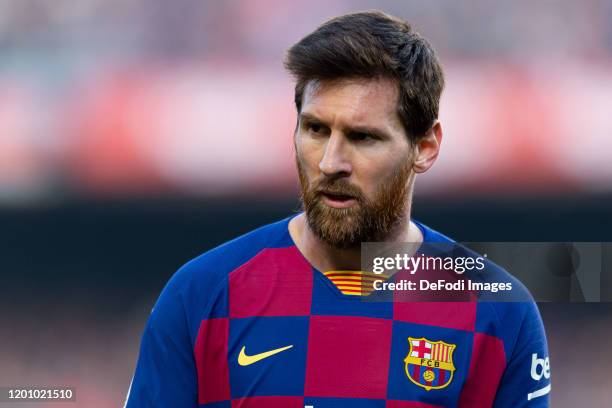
(337, 200)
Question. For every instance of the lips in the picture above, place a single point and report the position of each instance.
(337, 200)
(335, 196)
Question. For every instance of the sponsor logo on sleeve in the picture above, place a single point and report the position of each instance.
(540, 368)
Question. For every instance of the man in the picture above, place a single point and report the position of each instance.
(273, 318)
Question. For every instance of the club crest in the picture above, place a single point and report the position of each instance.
(429, 364)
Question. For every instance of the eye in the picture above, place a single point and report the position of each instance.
(361, 136)
(314, 127)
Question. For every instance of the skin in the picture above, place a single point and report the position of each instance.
(349, 128)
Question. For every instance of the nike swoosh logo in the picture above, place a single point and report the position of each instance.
(245, 360)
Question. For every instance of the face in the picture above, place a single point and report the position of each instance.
(354, 160)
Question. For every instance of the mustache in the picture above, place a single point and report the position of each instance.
(340, 187)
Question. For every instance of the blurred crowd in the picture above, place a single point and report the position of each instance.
(134, 97)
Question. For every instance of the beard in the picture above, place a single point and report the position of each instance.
(368, 220)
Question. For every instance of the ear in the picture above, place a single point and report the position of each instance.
(427, 149)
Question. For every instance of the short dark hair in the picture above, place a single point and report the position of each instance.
(373, 44)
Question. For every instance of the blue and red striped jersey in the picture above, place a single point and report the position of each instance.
(252, 324)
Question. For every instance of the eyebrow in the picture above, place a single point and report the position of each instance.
(355, 129)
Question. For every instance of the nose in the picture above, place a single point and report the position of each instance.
(334, 162)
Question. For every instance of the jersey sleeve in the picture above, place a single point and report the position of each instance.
(165, 373)
(526, 379)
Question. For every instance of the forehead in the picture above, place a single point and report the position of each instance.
(356, 101)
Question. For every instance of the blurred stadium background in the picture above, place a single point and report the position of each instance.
(137, 134)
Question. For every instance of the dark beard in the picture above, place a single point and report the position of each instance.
(366, 221)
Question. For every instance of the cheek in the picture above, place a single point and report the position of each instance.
(374, 175)
(370, 179)
(309, 155)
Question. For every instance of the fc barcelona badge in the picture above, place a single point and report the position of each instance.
(429, 364)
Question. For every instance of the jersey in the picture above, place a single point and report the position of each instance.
(252, 324)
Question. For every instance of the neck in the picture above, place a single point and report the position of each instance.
(326, 258)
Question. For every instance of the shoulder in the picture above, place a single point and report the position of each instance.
(198, 289)
(489, 273)
(503, 314)
(211, 268)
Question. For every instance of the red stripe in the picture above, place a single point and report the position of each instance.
(354, 277)
(340, 275)
(352, 285)
(329, 275)
(346, 278)
(441, 376)
(417, 373)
